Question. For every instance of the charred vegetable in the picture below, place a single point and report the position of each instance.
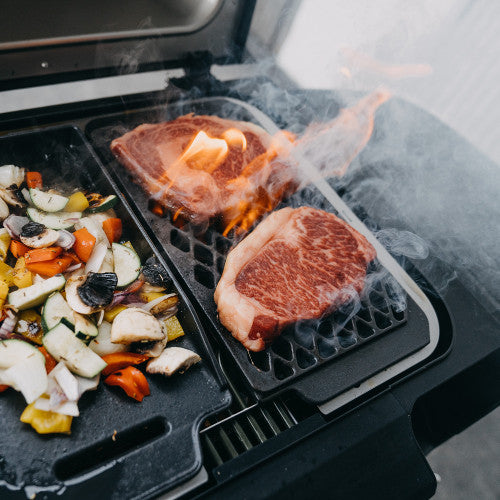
(172, 360)
(98, 288)
(135, 325)
(100, 203)
(154, 273)
(36, 235)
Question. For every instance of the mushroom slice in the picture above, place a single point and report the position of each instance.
(172, 360)
(36, 235)
(4, 210)
(152, 349)
(73, 298)
(10, 197)
(135, 325)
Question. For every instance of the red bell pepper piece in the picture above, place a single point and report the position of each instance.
(113, 229)
(131, 380)
(118, 360)
(34, 179)
(84, 244)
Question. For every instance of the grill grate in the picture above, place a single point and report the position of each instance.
(379, 335)
(303, 346)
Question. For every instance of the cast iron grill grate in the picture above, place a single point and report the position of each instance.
(301, 347)
(317, 359)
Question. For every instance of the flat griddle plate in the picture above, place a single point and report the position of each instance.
(118, 448)
(317, 359)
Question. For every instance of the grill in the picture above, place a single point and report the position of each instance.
(360, 390)
(198, 254)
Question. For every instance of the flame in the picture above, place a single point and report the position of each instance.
(205, 152)
(235, 137)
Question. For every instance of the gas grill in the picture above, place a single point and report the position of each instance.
(340, 406)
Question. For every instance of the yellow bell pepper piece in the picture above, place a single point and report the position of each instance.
(22, 278)
(46, 422)
(173, 328)
(77, 203)
(4, 291)
(29, 324)
(6, 273)
(110, 315)
(4, 243)
(149, 296)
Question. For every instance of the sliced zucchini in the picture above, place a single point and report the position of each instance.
(48, 202)
(13, 351)
(34, 295)
(85, 329)
(54, 310)
(99, 203)
(62, 343)
(127, 264)
(60, 220)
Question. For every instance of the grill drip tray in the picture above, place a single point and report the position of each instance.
(319, 359)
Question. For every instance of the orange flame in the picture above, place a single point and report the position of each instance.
(205, 152)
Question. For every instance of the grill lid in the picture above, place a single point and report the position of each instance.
(55, 41)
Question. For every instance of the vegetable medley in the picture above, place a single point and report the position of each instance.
(76, 302)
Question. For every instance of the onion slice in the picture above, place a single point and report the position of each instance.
(66, 239)
(8, 325)
(96, 258)
(14, 225)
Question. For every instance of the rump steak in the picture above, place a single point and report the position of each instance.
(202, 188)
(297, 264)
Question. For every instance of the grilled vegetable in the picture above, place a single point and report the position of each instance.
(77, 202)
(54, 310)
(17, 248)
(34, 180)
(29, 325)
(111, 314)
(163, 306)
(135, 325)
(173, 328)
(42, 254)
(5, 242)
(102, 344)
(23, 368)
(172, 360)
(4, 210)
(126, 263)
(150, 349)
(132, 381)
(36, 235)
(99, 203)
(97, 290)
(113, 229)
(21, 276)
(35, 295)
(6, 273)
(155, 274)
(46, 201)
(10, 197)
(85, 329)
(46, 422)
(120, 360)
(84, 244)
(73, 297)
(62, 343)
(61, 220)
(10, 174)
(52, 267)
(4, 291)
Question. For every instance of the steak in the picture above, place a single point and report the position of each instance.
(213, 181)
(297, 264)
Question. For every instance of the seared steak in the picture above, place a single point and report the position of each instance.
(212, 179)
(297, 264)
